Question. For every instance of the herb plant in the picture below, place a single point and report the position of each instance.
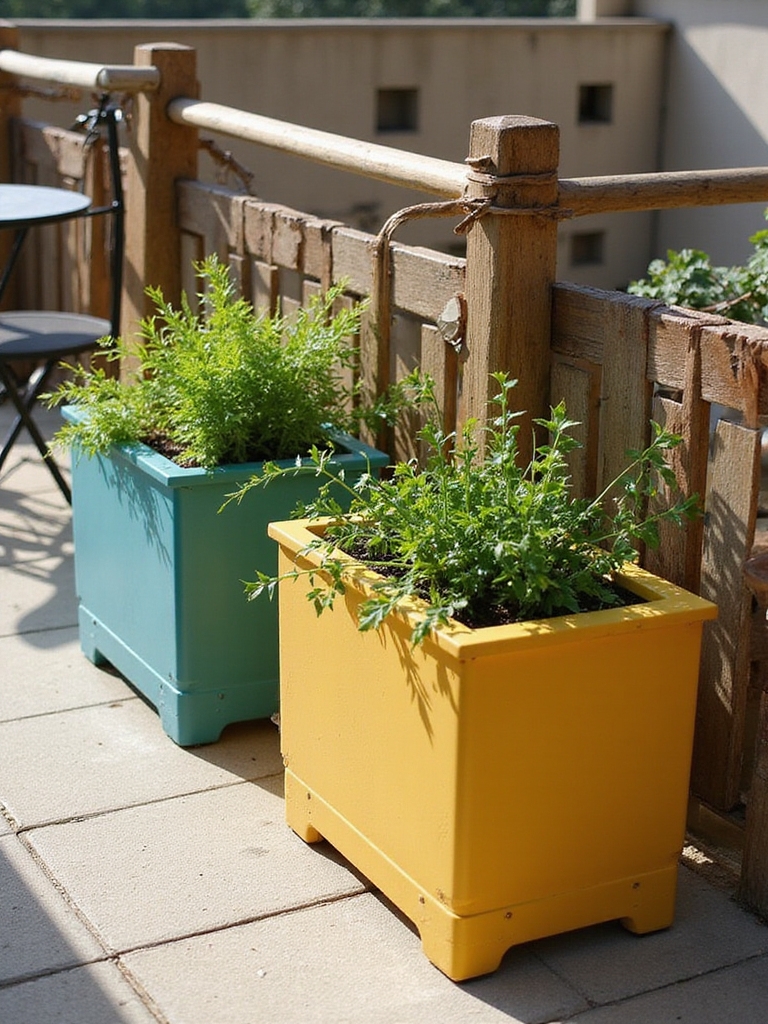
(225, 386)
(479, 538)
(688, 278)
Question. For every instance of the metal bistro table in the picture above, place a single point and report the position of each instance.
(27, 334)
(22, 206)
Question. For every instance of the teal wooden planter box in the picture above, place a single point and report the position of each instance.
(159, 578)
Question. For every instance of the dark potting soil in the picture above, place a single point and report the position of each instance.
(497, 614)
(162, 444)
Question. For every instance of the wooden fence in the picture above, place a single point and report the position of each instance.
(618, 360)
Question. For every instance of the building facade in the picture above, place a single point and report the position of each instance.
(634, 86)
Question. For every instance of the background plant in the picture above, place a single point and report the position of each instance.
(688, 278)
(226, 385)
(483, 539)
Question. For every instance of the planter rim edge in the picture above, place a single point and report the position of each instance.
(665, 603)
(172, 475)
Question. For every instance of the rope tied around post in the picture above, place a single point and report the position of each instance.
(471, 209)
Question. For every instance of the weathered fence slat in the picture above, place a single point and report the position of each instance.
(441, 362)
(625, 397)
(265, 285)
(577, 383)
(728, 351)
(214, 213)
(753, 888)
(578, 321)
(678, 556)
(731, 506)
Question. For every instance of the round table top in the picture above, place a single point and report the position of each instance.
(22, 205)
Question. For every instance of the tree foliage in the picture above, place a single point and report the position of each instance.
(412, 8)
(93, 9)
(286, 8)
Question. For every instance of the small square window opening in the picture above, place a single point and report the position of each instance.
(587, 249)
(595, 104)
(397, 110)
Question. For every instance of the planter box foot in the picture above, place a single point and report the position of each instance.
(298, 816)
(469, 945)
(191, 717)
(656, 907)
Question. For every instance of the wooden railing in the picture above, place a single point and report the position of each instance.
(617, 360)
(105, 78)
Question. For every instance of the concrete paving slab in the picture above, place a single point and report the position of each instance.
(37, 593)
(212, 859)
(48, 422)
(94, 994)
(607, 963)
(24, 474)
(95, 759)
(354, 961)
(46, 672)
(36, 566)
(32, 524)
(734, 995)
(35, 519)
(39, 931)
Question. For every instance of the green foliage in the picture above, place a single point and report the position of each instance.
(225, 386)
(688, 278)
(122, 9)
(287, 8)
(480, 538)
(412, 8)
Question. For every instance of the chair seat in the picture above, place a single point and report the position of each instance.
(44, 337)
(29, 334)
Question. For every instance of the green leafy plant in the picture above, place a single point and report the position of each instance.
(227, 385)
(479, 538)
(688, 278)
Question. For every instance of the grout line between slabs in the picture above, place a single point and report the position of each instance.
(667, 985)
(75, 818)
(113, 702)
(323, 901)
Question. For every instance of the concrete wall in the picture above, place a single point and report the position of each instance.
(327, 75)
(717, 113)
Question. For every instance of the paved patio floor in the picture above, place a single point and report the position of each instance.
(142, 882)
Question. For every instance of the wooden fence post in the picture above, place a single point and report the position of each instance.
(161, 152)
(10, 107)
(511, 264)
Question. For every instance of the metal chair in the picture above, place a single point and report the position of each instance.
(46, 337)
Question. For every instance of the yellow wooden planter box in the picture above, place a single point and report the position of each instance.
(500, 784)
